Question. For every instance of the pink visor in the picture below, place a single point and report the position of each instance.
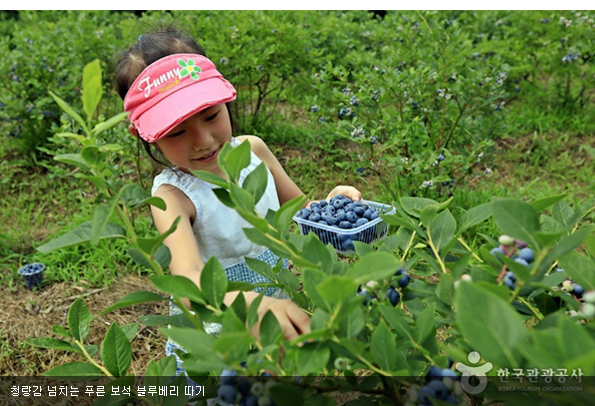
(172, 89)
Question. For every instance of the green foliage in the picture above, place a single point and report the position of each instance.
(533, 325)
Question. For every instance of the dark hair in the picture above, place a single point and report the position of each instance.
(149, 48)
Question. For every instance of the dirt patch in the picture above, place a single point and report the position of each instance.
(31, 314)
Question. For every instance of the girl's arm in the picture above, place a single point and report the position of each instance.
(286, 187)
(186, 261)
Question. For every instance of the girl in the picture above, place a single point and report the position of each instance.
(177, 102)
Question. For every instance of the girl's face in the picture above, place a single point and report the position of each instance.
(195, 143)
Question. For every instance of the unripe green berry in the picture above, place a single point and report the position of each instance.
(268, 385)
(257, 388)
(568, 285)
(341, 363)
(505, 240)
(412, 394)
(587, 310)
(264, 401)
(589, 296)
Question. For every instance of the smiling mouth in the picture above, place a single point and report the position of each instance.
(207, 157)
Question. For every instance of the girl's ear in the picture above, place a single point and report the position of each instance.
(132, 130)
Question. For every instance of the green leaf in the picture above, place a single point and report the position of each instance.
(109, 123)
(92, 89)
(54, 343)
(241, 198)
(383, 347)
(287, 395)
(283, 217)
(474, 216)
(270, 330)
(261, 268)
(72, 159)
(445, 288)
(354, 323)
(92, 155)
(253, 310)
(76, 371)
(178, 320)
(237, 159)
(311, 279)
(414, 205)
(101, 217)
(317, 253)
(442, 229)
(116, 351)
(516, 219)
(397, 320)
(179, 286)
(150, 244)
(134, 298)
(424, 323)
(542, 204)
(210, 177)
(61, 331)
(68, 110)
(165, 367)
(133, 195)
(312, 358)
(337, 289)
(256, 182)
(196, 342)
(478, 309)
(213, 282)
(373, 266)
(79, 319)
(82, 234)
(580, 268)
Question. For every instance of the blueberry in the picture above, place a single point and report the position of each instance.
(404, 281)
(449, 373)
(330, 209)
(368, 214)
(527, 255)
(347, 245)
(424, 393)
(244, 386)
(306, 213)
(510, 280)
(340, 216)
(578, 291)
(251, 400)
(338, 204)
(400, 271)
(368, 298)
(345, 225)
(348, 207)
(324, 223)
(351, 217)
(521, 261)
(439, 388)
(433, 373)
(361, 222)
(314, 217)
(375, 215)
(451, 399)
(227, 393)
(359, 210)
(323, 203)
(497, 252)
(393, 296)
(227, 377)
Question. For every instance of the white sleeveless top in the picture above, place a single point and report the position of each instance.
(218, 228)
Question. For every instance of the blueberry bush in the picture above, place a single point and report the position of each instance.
(395, 322)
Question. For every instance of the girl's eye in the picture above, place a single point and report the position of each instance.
(176, 134)
(211, 117)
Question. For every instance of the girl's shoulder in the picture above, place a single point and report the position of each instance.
(257, 144)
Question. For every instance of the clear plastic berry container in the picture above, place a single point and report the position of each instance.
(342, 239)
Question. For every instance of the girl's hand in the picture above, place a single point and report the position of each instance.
(293, 320)
(347, 191)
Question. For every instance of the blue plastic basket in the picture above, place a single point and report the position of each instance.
(342, 239)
